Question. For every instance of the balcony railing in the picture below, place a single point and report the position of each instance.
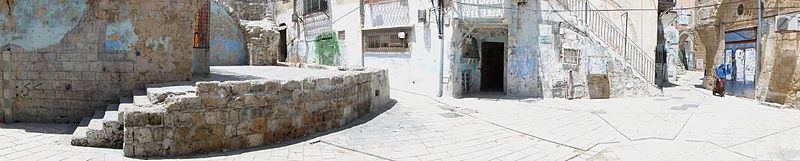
(480, 8)
(386, 13)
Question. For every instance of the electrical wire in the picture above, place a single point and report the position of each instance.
(498, 6)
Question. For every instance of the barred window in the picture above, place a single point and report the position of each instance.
(201, 27)
(570, 58)
(311, 6)
(386, 40)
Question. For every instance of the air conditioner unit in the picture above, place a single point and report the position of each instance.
(787, 23)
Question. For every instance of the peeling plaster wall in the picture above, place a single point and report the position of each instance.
(470, 65)
(600, 71)
(522, 73)
(38, 24)
(226, 40)
(63, 60)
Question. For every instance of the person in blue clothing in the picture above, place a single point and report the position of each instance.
(719, 84)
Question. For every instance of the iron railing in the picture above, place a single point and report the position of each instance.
(613, 36)
(201, 27)
(480, 8)
(387, 13)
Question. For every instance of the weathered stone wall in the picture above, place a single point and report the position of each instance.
(239, 114)
(598, 71)
(227, 42)
(777, 79)
(262, 45)
(250, 9)
(63, 60)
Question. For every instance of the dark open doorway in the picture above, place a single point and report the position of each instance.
(492, 66)
(282, 42)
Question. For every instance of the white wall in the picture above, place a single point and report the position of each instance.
(417, 70)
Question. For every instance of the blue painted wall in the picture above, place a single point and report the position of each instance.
(120, 35)
(38, 24)
(226, 42)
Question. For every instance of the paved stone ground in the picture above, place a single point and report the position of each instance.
(687, 123)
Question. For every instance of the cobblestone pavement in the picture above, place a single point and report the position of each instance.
(687, 123)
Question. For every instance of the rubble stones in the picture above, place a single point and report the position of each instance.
(262, 45)
(240, 114)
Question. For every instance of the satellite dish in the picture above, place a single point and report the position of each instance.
(401, 35)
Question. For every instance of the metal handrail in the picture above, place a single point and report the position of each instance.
(615, 38)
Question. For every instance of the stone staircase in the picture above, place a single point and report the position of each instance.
(604, 30)
(105, 128)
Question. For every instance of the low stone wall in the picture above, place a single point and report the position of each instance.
(240, 114)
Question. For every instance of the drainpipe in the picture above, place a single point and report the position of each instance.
(441, 42)
(758, 48)
(361, 15)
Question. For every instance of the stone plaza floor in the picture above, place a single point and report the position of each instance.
(687, 123)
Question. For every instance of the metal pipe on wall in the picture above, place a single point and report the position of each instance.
(361, 18)
(758, 48)
(441, 42)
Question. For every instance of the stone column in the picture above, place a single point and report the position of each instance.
(200, 63)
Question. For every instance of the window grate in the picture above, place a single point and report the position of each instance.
(201, 27)
(386, 40)
(387, 13)
(570, 58)
(312, 6)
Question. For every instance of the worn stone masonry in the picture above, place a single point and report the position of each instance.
(262, 45)
(240, 114)
(62, 60)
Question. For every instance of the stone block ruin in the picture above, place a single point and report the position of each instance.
(234, 108)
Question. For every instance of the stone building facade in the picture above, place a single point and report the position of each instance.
(727, 33)
(63, 60)
(502, 46)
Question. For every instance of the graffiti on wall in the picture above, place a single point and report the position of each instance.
(327, 49)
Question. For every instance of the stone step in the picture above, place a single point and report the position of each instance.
(125, 99)
(159, 92)
(104, 129)
(85, 121)
(97, 123)
(79, 136)
(141, 100)
(112, 107)
(80, 132)
(114, 113)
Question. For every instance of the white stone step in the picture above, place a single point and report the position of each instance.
(141, 100)
(159, 92)
(96, 124)
(79, 136)
(111, 116)
(104, 129)
(122, 108)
